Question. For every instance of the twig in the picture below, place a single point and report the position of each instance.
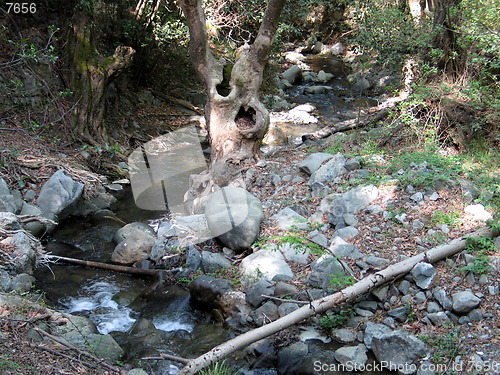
(55, 352)
(167, 356)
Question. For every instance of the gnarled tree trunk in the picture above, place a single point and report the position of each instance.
(236, 119)
(91, 74)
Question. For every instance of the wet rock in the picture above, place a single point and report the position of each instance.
(313, 162)
(206, 291)
(59, 195)
(254, 292)
(330, 171)
(398, 349)
(135, 247)
(268, 264)
(291, 358)
(352, 355)
(324, 269)
(234, 216)
(317, 89)
(373, 330)
(127, 230)
(294, 73)
(324, 77)
(465, 301)
(423, 274)
(213, 262)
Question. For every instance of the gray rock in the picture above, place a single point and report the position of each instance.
(317, 89)
(291, 358)
(439, 318)
(22, 283)
(404, 286)
(329, 171)
(292, 74)
(207, 291)
(59, 195)
(312, 163)
(417, 197)
(23, 256)
(137, 371)
(287, 218)
(400, 313)
(4, 188)
(381, 293)
(319, 238)
(368, 305)
(343, 335)
(268, 264)
(8, 221)
(478, 212)
(440, 295)
(433, 307)
(213, 262)
(295, 253)
(373, 330)
(376, 261)
(324, 77)
(337, 49)
(36, 228)
(423, 274)
(352, 355)
(191, 229)
(5, 281)
(254, 292)
(399, 350)
(286, 308)
(465, 301)
(193, 258)
(135, 247)
(234, 216)
(8, 203)
(346, 232)
(324, 268)
(285, 290)
(267, 313)
(342, 249)
(475, 315)
(350, 220)
(124, 232)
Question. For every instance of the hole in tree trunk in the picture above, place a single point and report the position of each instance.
(245, 119)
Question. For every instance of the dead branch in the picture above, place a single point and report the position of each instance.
(285, 300)
(321, 305)
(167, 356)
(106, 266)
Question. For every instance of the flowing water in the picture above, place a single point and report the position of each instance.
(159, 321)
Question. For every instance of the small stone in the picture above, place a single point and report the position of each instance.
(434, 196)
(343, 336)
(475, 315)
(433, 307)
(438, 318)
(400, 314)
(465, 301)
(417, 197)
(423, 274)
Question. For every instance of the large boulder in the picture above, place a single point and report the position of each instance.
(399, 350)
(207, 291)
(136, 247)
(465, 301)
(59, 195)
(312, 163)
(234, 216)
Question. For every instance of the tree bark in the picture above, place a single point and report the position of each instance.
(323, 304)
(91, 74)
(236, 119)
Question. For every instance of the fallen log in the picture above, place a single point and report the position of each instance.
(107, 266)
(321, 305)
(345, 125)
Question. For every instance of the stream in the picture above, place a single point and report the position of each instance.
(164, 321)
